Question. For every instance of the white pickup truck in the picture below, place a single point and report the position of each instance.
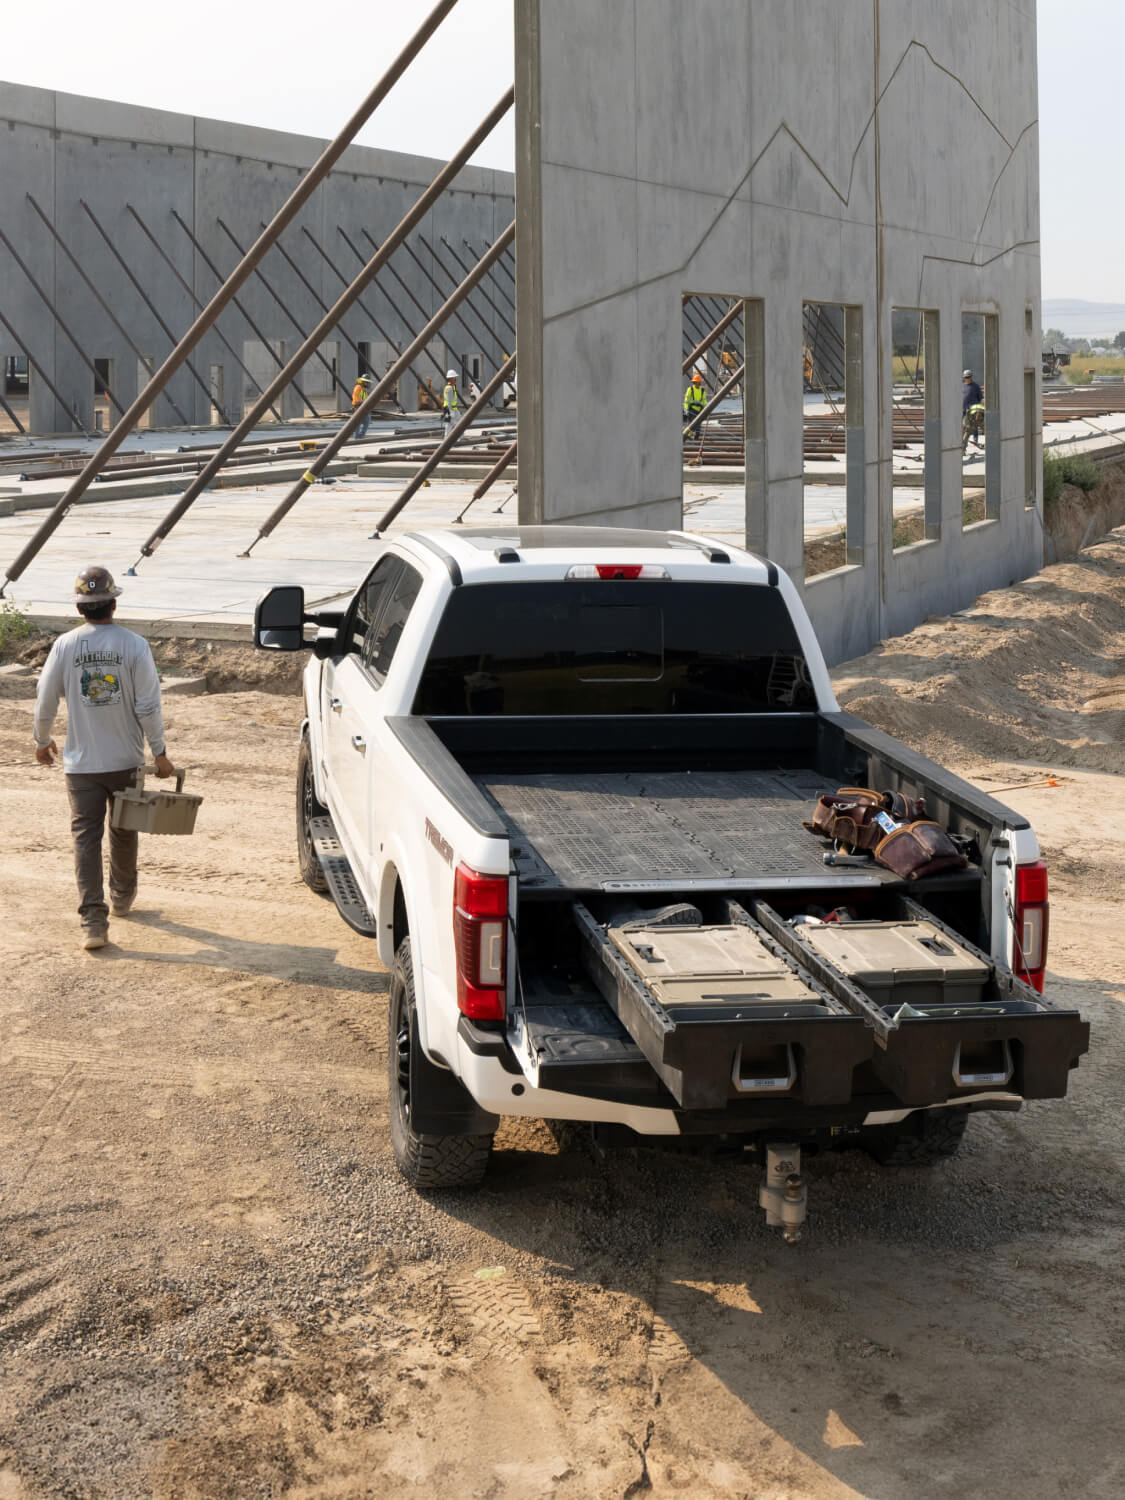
(559, 774)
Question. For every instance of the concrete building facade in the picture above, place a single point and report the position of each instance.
(871, 155)
(71, 164)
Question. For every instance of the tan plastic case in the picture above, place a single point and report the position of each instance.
(706, 966)
(897, 963)
(155, 812)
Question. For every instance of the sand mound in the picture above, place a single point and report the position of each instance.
(1033, 672)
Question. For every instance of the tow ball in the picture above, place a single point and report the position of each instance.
(784, 1194)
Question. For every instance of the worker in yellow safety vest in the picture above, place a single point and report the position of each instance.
(450, 398)
(359, 396)
(695, 397)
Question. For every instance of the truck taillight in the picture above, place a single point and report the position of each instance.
(1029, 958)
(480, 935)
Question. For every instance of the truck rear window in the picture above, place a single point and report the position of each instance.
(614, 648)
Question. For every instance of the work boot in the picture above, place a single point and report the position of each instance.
(121, 906)
(95, 937)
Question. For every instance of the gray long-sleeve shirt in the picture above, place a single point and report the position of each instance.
(108, 677)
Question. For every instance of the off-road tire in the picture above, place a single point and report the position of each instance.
(426, 1161)
(923, 1138)
(308, 807)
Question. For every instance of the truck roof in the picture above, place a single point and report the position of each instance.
(479, 551)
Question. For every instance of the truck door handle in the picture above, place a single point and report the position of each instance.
(359, 743)
(336, 705)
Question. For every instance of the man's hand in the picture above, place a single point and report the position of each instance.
(45, 754)
(164, 766)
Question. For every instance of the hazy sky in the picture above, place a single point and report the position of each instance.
(260, 65)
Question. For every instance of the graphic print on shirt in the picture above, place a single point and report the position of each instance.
(100, 677)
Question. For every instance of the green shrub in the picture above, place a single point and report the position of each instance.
(1052, 478)
(1078, 377)
(14, 626)
(1078, 469)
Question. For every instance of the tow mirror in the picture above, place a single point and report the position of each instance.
(279, 619)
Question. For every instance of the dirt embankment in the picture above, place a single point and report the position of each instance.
(215, 1286)
(1035, 672)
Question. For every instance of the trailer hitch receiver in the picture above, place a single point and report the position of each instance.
(784, 1194)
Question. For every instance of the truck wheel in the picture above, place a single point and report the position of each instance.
(308, 807)
(426, 1161)
(925, 1137)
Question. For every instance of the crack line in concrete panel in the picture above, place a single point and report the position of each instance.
(979, 265)
(845, 198)
(992, 196)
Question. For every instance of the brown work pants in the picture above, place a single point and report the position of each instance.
(90, 799)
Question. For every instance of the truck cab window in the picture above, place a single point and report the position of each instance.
(370, 600)
(386, 630)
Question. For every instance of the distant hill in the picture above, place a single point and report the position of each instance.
(1087, 320)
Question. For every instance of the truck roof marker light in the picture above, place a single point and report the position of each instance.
(617, 572)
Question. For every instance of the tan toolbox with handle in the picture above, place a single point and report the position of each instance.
(155, 812)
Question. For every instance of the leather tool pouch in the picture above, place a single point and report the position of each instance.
(918, 849)
(848, 816)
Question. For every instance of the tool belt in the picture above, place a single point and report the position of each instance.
(851, 819)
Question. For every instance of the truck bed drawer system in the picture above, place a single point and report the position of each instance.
(759, 1008)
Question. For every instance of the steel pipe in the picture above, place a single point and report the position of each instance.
(254, 329)
(395, 344)
(261, 275)
(284, 216)
(464, 269)
(328, 452)
(331, 318)
(102, 303)
(720, 327)
(47, 381)
(454, 435)
(472, 305)
(168, 334)
(53, 310)
(502, 262)
(190, 290)
(474, 337)
(320, 302)
(715, 399)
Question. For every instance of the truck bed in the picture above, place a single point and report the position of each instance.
(590, 831)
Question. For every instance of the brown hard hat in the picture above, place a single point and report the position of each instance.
(95, 586)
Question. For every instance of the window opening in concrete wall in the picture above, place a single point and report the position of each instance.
(103, 384)
(1031, 422)
(332, 395)
(711, 410)
(145, 368)
(834, 440)
(915, 425)
(365, 365)
(216, 384)
(16, 393)
(980, 418)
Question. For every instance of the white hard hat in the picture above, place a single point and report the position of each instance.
(966, 374)
(451, 374)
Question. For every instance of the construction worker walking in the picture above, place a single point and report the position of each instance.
(450, 398)
(359, 396)
(972, 411)
(108, 678)
(695, 397)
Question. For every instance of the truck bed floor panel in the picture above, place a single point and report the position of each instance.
(598, 830)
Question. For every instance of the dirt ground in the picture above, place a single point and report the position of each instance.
(213, 1283)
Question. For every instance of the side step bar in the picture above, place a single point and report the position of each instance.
(342, 885)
